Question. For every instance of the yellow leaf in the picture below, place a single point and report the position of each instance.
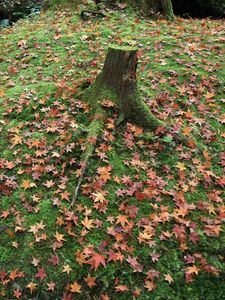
(209, 95)
(181, 166)
(168, 278)
(59, 237)
(2, 93)
(32, 286)
(145, 235)
(16, 140)
(98, 197)
(66, 269)
(87, 223)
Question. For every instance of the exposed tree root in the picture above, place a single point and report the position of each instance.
(94, 130)
(90, 14)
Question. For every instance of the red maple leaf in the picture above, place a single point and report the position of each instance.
(41, 274)
(54, 260)
(134, 263)
(96, 260)
(140, 196)
(221, 181)
(2, 275)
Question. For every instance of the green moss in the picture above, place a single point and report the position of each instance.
(117, 157)
(4, 254)
(7, 154)
(95, 93)
(122, 47)
(12, 123)
(37, 135)
(5, 203)
(141, 114)
(52, 53)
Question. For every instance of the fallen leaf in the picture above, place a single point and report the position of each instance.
(66, 269)
(96, 260)
(75, 287)
(32, 286)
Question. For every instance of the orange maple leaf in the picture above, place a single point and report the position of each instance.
(182, 211)
(121, 288)
(182, 90)
(145, 235)
(98, 197)
(33, 228)
(9, 165)
(13, 275)
(192, 270)
(187, 131)
(80, 258)
(49, 183)
(107, 103)
(5, 214)
(122, 219)
(26, 184)
(51, 286)
(104, 173)
(149, 285)
(35, 261)
(90, 281)
(75, 287)
(2, 93)
(65, 195)
(212, 230)
(209, 95)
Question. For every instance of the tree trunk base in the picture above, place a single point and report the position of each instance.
(168, 9)
(117, 82)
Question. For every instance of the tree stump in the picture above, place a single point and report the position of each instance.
(118, 82)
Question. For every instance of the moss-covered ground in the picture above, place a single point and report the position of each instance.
(149, 219)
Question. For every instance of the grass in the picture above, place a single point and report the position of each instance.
(45, 63)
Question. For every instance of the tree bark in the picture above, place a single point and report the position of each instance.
(168, 9)
(117, 82)
(149, 6)
(146, 6)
